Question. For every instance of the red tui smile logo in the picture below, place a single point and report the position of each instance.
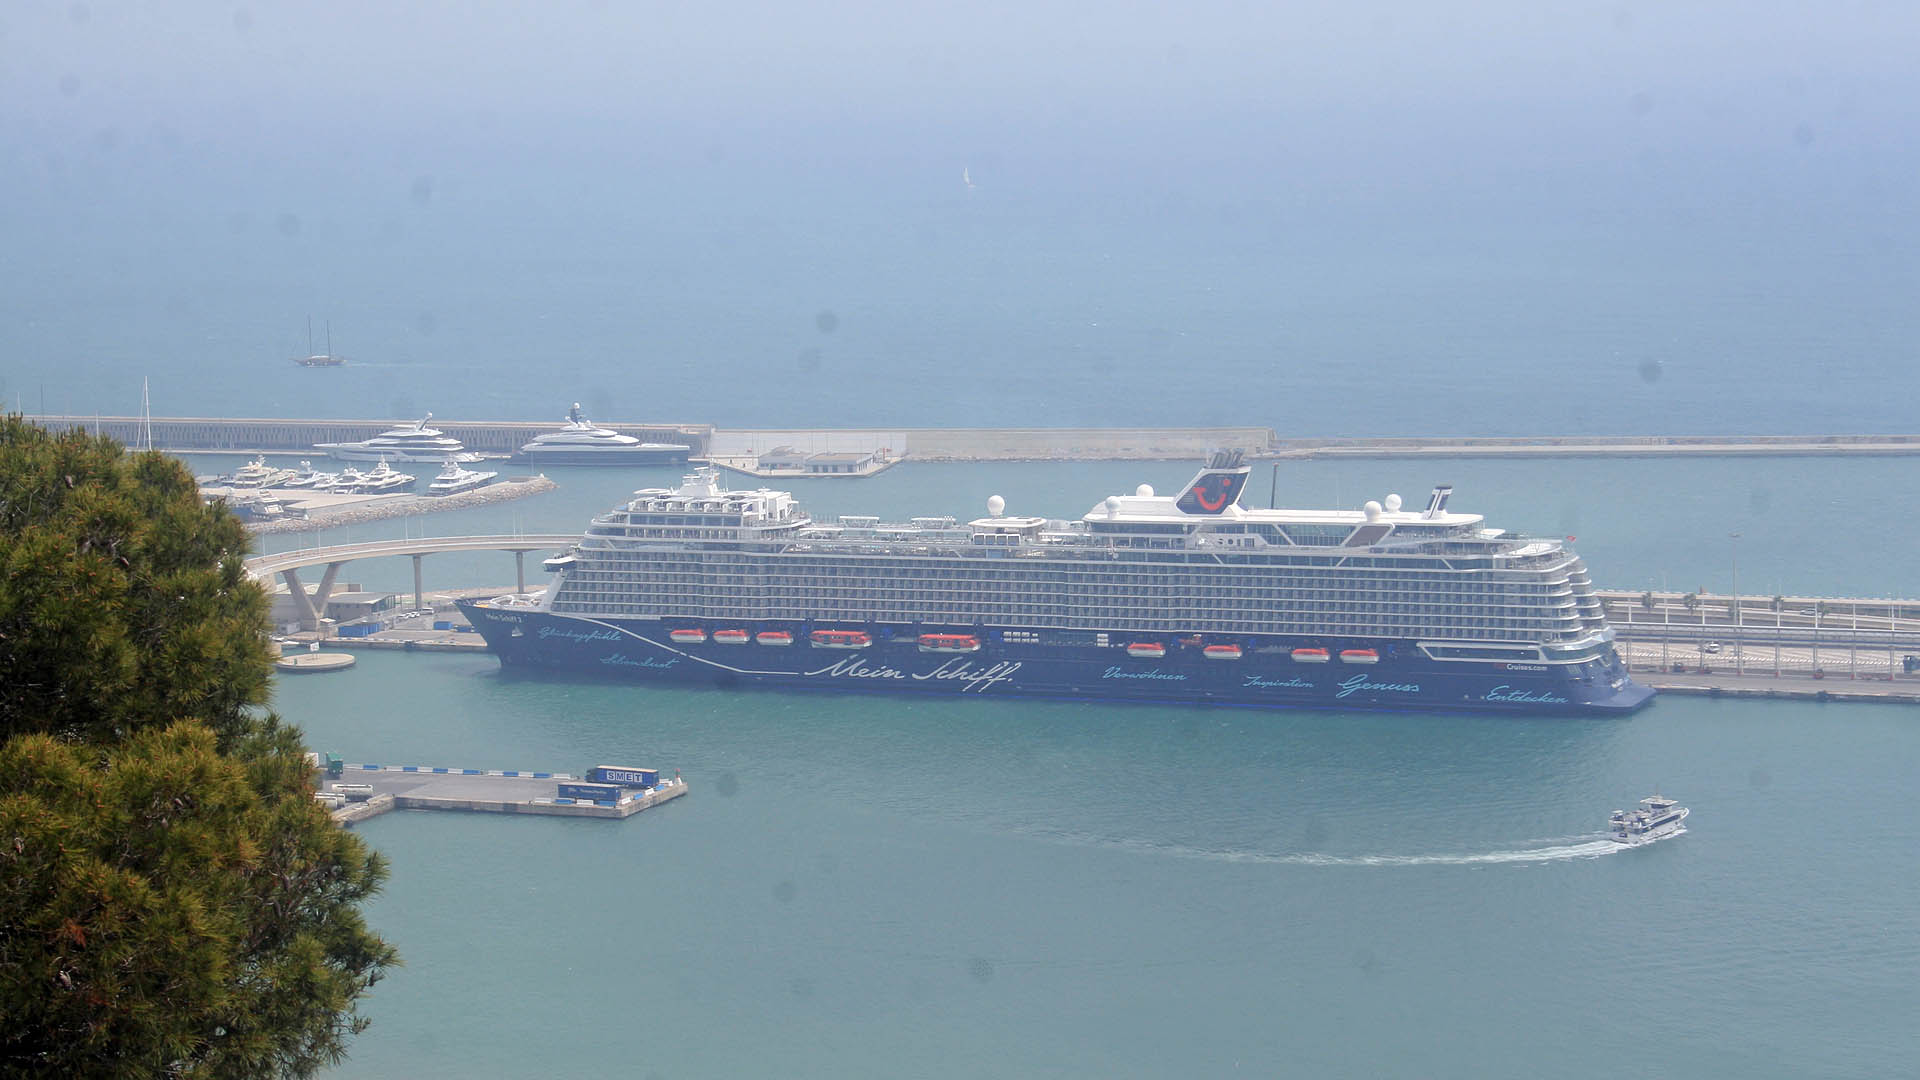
(1210, 494)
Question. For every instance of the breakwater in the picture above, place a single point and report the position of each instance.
(504, 437)
(290, 436)
(319, 518)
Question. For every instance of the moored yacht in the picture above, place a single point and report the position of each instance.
(251, 504)
(453, 479)
(408, 442)
(581, 443)
(1657, 817)
(307, 477)
(379, 480)
(258, 474)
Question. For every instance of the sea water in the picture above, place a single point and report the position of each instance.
(867, 885)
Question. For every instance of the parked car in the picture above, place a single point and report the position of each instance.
(1709, 646)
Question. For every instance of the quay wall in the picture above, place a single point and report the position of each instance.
(1001, 444)
(295, 436)
(210, 434)
(1597, 446)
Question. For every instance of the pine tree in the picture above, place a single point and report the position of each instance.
(172, 900)
(124, 602)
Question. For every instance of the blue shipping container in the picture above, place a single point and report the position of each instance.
(591, 792)
(624, 776)
(443, 624)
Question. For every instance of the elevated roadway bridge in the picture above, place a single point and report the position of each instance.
(288, 564)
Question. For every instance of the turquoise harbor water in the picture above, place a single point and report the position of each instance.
(874, 886)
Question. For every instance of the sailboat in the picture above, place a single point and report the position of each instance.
(314, 359)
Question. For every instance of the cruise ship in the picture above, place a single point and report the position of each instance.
(415, 442)
(1183, 598)
(581, 443)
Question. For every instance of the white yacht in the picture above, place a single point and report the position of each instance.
(308, 477)
(254, 505)
(581, 443)
(379, 480)
(1658, 817)
(258, 474)
(409, 442)
(346, 481)
(453, 479)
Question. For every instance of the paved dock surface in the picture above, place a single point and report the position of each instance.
(425, 788)
(1728, 684)
(307, 663)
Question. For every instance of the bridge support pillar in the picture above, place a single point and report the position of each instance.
(418, 603)
(520, 572)
(311, 607)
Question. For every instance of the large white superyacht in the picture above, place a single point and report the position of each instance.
(415, 442)
(583, 443)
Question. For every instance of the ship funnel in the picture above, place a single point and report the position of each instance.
(1437, 505)
(1217, 486)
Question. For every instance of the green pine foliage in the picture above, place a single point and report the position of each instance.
(125, 603)
(177, 911)
(173, 902)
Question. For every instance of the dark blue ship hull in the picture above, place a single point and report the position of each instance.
(1403, 677)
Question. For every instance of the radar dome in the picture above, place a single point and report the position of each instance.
(1113, 505)
(1372, 509)
(996, 505)
(1145, 491)
(1393, 502)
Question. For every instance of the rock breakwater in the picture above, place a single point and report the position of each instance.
(319, 518)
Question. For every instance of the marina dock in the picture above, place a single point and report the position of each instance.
(314, 511)
(498, 791)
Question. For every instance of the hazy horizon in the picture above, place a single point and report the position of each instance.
(1702, 192)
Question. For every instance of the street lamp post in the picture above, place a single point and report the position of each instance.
(1739, 650)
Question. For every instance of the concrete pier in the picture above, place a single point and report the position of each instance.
(314, 512)
(414, 787)
(1729, 685)
(311, 663)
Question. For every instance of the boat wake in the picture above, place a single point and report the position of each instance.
(1586, 847)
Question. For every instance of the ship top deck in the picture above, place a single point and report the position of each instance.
(1161, 509)
(700, 504)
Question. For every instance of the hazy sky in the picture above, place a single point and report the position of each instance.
(1250, 183)
(1538, 83)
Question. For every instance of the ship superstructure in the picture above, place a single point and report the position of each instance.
(1190, 597)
